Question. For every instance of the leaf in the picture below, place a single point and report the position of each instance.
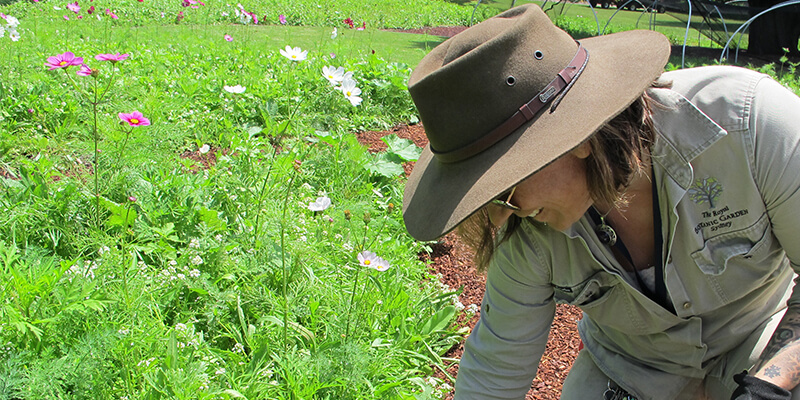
(211, 218)
(438, 321)
(120, 216)
(254, 130)
(234, 394)
(403, 148)
(382, 165)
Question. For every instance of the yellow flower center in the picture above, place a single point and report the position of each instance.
(62, 63)
(134, 121)
(294, 56)
(349, 93)
(367, 262)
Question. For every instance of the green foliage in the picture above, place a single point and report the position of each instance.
(182, 259)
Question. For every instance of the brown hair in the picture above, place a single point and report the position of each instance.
(618, 149)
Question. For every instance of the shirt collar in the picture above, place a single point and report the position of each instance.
(684, 132)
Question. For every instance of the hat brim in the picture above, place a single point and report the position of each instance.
(438, 196)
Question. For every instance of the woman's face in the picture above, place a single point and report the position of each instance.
(557, 195)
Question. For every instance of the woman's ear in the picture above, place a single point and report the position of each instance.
(582, 151)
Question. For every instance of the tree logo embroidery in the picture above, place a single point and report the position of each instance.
(706, 190)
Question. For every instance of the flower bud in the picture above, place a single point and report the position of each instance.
(347, 215)
(366, 218)
(390, 208)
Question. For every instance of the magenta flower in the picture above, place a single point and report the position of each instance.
(74, 7)
(134, 119)
(228, 38)
(114, 58)
(192, 3)
(84, 70)
(282, 19)
(65, 60)
(66, 17)
(111, 14)
(90, 10)
(349, 21)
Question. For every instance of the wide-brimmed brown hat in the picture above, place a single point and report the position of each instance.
(506, 97)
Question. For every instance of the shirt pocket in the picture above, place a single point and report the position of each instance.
(752, 243)
(591, 292)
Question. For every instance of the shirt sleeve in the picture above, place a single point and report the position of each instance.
(775, 124)
(501, 355)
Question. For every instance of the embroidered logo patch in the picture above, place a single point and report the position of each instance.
(705, 190)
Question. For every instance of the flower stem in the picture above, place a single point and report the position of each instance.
(283, 257)
(96, 157)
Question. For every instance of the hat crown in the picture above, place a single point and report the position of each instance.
(473, 82)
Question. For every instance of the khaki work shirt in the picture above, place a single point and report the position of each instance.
(727, 169)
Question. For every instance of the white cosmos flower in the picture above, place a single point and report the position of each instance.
(2, 31)
(366, 258)
(203, 150)
(334, 33)
(294, 54)
(13, 35)
(351, 92)
(371, 260)
(381, 265)
(320, 204)
(333, 75)
(12, 22)
(238, 89)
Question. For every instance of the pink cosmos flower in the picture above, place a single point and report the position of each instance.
(179, 17)
(134, 119)
(362, 27)
(111, 14)
(90, 10)
(349, 21)
(228, 38)
(192, 3)
(65, 60)
(114, 58)
(84, 70)
(74, 7)
(282, 19)
(66, 17)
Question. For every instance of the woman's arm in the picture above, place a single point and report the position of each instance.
(780, 362)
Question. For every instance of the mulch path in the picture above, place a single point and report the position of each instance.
(451, 260)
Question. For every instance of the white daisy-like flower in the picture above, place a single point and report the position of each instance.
(371, 260)
(320, 204)
(238, 89)
(334, 75)
(203, 150)
(12, 22)
(294, 53)
(334, 33)
(351, 92)
(381, 265)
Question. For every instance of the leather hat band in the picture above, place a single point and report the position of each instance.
(563, 80)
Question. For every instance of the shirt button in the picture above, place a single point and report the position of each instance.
(687, 305)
